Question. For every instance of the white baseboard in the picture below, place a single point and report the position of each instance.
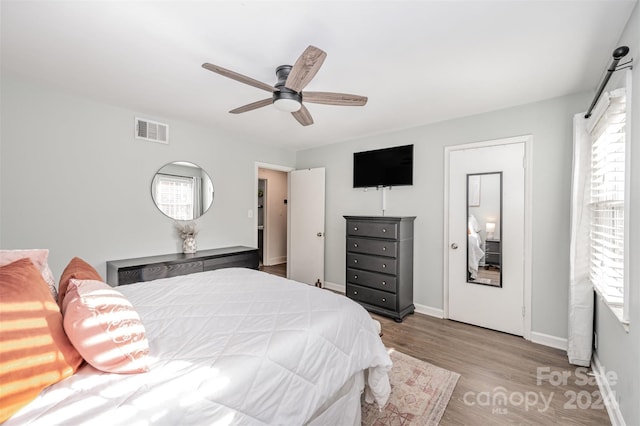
(540, 338)
(607, 394)
(428, 310)
(340, 288)
(276, 261)
(548, 340)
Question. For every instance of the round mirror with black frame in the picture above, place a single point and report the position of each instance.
(182, 190)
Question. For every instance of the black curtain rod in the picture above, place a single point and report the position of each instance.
(618, 54)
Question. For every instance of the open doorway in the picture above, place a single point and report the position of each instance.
(262, 196)
(271, 218)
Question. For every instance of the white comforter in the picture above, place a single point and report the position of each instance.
(232, 346)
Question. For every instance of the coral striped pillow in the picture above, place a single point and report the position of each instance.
(34, 350)
(78, 269)
(105, 328)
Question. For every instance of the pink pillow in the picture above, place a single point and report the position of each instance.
(39, 258)
(105, 328)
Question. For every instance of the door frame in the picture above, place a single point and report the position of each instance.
(268, 166)
(528, 216)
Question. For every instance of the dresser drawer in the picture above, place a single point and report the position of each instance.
(492, 259)
(386, 265)
(155, 272)
(177, 269)
(244, 260)
(376, 247)
(373, 229)
(492, 246)
(134, 275)
(372, 279)
(371, 296)
(143, 274)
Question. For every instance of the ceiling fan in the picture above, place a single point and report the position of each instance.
(287, 94)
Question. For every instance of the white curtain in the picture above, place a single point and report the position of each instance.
(197, 197)
(580, 289)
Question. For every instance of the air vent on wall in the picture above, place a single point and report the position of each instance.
(152, 130)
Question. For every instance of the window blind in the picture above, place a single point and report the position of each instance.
(174, 196)
(607, 206)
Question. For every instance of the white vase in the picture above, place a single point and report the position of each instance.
(189, 245)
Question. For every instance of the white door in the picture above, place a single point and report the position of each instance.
(486, 262)
(305, 257)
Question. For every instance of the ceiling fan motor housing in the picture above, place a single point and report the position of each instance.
(282, 73)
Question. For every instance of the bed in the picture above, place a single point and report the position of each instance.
(231, 347)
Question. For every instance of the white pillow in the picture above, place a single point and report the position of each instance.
(39, 258)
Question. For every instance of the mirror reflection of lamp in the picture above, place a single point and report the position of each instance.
(490, 228)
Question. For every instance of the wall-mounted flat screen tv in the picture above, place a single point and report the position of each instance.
(383, 167)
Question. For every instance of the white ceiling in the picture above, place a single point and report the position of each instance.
(418, 62)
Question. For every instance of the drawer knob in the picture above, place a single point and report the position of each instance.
(355, 260)
(384, 230)
(384, 266)
(384, 283)
(355, 228)
(384, 300)
(355, 244)
(355, 277)
(384, 249)
(355, 292)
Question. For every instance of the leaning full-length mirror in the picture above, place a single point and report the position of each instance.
(484, 229)
(182, 190)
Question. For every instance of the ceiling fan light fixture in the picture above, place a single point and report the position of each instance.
(286, 94)
(287, 105)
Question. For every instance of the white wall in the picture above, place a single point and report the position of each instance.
(550, 123)
(74, 179)
(619, 350)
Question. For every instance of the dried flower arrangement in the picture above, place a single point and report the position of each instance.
(186, 229)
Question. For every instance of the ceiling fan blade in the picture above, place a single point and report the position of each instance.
(330, 98)
(238, 77)
(305, 68)
(252, 106)
(303, 116)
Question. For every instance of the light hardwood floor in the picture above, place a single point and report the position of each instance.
(279, 270)
(504, 379)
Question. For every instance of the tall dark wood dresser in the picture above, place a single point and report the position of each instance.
(380, 264)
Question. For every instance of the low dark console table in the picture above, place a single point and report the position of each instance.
(129, 271)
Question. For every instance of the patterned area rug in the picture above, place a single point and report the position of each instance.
(420, 393)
